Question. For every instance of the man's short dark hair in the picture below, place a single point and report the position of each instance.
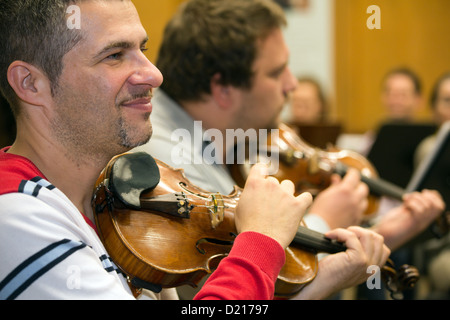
(209, 37)
(36, 32)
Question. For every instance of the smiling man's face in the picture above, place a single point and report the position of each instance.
(103, 100)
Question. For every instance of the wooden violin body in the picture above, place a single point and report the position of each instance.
(311, 168)
(179, 233)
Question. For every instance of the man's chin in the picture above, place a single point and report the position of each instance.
(129, 144)
(144, 140)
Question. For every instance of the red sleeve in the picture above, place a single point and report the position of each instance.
(248, 273)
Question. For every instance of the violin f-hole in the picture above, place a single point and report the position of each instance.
(213, 241)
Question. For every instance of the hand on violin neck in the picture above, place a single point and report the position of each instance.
(365, 248)
(270, 207)
(349, 268)
(343, 203)
(415, 214)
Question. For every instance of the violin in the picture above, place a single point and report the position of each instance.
(162, 231)
(311, 168)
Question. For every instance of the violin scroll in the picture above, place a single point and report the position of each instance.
(397, 281)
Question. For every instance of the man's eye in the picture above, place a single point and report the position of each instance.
(276, 74)
(115, 56)
(144, 50)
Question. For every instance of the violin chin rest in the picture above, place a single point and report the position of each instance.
(132, 174)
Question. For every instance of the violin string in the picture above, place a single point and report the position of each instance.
(210, 206)
(207, 200)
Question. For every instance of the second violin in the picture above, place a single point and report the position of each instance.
(310, 168)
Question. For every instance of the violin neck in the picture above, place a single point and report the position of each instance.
(378, 187)
(316, 241)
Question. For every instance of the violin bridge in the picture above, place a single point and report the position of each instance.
(216, 209)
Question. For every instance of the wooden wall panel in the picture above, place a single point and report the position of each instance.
(414, 33)
(154, 15)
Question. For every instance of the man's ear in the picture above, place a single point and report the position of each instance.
(222, 94)
(30, 83)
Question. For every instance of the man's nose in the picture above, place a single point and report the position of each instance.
(146, 73)
(290, 82)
